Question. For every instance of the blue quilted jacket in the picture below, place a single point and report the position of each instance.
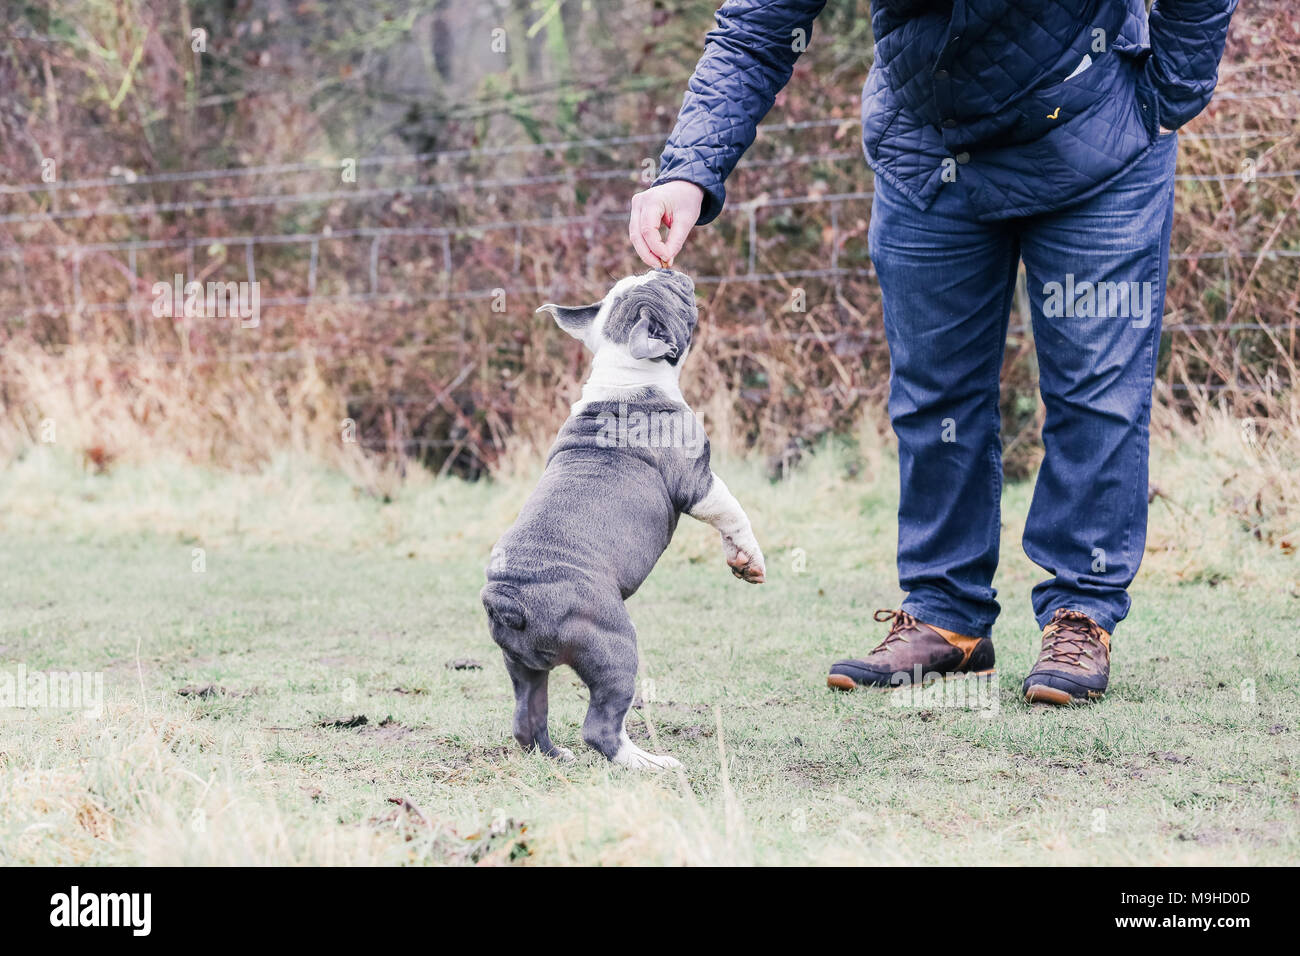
(1028, 105)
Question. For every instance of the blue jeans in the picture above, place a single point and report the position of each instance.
(1096, 276)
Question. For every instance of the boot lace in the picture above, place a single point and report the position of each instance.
(902, 623)
(1069, 637)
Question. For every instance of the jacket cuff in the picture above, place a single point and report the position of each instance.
(1187, 40)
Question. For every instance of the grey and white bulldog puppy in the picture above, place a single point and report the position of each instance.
(630, 459)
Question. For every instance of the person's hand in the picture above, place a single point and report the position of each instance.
(675, 204)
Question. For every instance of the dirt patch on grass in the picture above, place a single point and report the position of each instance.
(386, 731)
(344, 723)
(815, 774)
(204, 691)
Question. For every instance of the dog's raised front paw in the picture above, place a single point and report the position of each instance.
(746, 563)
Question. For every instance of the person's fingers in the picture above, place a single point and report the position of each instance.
(646, 256)
(634, 232)
(652, 214)
(679, 227)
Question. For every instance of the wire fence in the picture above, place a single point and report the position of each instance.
(24, 259)
(76, 253)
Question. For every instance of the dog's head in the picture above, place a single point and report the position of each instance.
(651, 317)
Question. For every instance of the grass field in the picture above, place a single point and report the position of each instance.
(317, 605)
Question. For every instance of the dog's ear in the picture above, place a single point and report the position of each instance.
(648, 339)
(575, 320)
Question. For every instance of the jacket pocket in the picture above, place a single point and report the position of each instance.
(879, 110)
(1042, 110)
(1139, 59)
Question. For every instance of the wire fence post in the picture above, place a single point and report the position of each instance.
(311, 268)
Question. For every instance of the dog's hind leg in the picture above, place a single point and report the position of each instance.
(605, 659)
(530, 710)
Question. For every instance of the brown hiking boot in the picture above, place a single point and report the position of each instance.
(1074, 665)
(914, 653)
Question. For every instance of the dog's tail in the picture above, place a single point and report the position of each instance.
(501, 601)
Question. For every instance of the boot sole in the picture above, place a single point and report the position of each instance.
(845, 682)
(1040, 694)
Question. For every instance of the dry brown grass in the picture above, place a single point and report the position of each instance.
(460, 387)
